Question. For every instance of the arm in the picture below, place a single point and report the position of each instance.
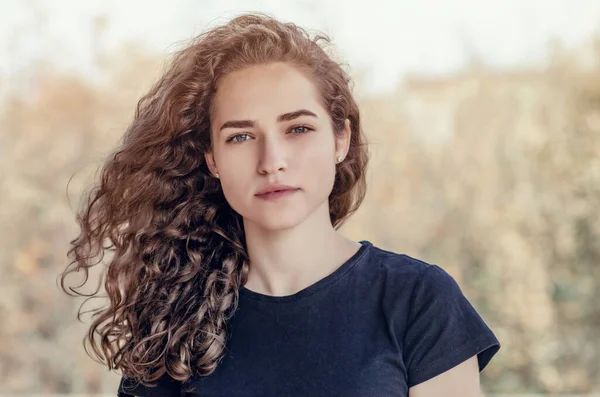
(459, 381)
(446, 341)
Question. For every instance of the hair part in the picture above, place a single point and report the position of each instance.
(179, 254)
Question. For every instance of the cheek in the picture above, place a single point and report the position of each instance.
(318, 168)
(317, 149)
(236, 184)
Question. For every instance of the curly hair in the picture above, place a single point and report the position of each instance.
(178, 251)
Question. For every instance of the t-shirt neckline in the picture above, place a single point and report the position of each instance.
(314, 287)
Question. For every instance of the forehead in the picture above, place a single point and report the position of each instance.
(265, 91)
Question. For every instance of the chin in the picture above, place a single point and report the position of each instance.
(274, 219)
(276, 222)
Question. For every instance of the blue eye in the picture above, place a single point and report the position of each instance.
(302, 126)
(233, 138)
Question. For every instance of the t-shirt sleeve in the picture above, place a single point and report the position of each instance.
(443, 328)
(165, 387)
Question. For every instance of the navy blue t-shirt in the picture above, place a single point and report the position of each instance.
(379, 324)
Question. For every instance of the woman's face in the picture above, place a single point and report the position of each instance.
(268, 126)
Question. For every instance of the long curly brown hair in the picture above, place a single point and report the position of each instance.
(178, 251)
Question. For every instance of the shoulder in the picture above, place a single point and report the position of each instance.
(412, 285)
(404, 279)
(435, 324)
(404, 269)
(415, 280)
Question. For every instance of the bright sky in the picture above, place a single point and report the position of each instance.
(387, 38)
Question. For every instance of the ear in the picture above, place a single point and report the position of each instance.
(342, 142)
(210, 163)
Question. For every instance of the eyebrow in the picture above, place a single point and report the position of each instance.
(282, 117)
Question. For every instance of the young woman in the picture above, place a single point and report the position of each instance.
(228, 275)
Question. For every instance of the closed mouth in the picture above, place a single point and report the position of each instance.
(276, 191)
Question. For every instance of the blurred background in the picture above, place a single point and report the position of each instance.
(484, 122)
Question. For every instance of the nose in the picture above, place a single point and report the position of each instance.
(272, 156)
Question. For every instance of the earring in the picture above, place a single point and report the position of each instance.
(339, 159)
(217, 174)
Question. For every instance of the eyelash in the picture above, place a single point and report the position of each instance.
(232, 139)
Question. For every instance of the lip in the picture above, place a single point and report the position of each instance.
(277, 195)
(273, 188)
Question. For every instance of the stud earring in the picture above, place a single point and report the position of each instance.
(217, 174)
(339, 159)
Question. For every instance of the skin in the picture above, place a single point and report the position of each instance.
(291, 242)
(459, 381)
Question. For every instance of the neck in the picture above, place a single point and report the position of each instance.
(284, 262)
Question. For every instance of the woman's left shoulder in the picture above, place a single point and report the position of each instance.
(403, 266)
